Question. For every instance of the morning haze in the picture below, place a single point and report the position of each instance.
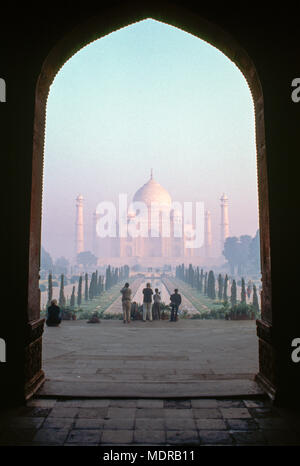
(148, 96)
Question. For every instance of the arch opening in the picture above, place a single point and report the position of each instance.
(48, 73)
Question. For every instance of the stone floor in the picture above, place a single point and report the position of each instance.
(149, 422)
(160, 383)
(159, 359)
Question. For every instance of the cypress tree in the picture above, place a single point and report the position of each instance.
(197, 278)
(102, 283)
(211, 290)
(116, 275)
(93, 286)
(243, 292)
(72, 300)
(50, 289)
(108, 278)
(99, 285)
(126, 271)
(225, 297)
(191, 275)
(86, 289)
(205, 283)
(79, 293)
(220, 286)
(62, 299)
(208, 285)
(201, 281)
(255, 299)
(91, 294)
(96, 284)
(233, 293)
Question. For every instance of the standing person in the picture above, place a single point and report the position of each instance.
(156, 305)
(53, 314)
(126, 303)
(175, 303)
(147, 302)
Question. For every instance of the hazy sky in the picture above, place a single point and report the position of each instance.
(148, 96)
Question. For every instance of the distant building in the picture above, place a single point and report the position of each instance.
(153, 246)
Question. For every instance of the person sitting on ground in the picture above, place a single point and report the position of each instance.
(175, 303)
(94, 319)
(147, 302)
(53, 318)
(134, 310)
(126, 303)
(156, 305)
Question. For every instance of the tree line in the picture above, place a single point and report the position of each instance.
(88, 289)
(208, 285)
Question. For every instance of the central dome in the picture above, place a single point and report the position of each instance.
(152, 192)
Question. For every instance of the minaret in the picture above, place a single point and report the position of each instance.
(224, 219)
(207, 239)
(79, 241)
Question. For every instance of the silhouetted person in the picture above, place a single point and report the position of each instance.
(175, 303)
(156, 305)
(126, 303)
(53, 314)
(134, 310)
(147, 302)
(94, 318)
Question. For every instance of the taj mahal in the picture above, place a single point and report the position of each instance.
(164, 232)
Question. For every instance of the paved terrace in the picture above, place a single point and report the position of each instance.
(150, 362)
(158, 359)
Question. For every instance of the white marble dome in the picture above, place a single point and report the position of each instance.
(153, 192)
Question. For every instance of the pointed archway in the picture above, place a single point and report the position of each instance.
(70, 43)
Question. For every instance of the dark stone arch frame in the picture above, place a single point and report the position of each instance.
(75, 39)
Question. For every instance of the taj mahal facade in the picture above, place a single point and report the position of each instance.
(158, 232)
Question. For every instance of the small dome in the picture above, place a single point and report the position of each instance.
(153, 192)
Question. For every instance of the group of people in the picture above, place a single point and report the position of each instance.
(151, 306)
(151, 303)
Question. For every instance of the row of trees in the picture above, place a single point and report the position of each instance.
(114, 275)
(88, 289)
(207, 284)
(204, 282)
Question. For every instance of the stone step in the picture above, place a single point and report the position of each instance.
(207, 388)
